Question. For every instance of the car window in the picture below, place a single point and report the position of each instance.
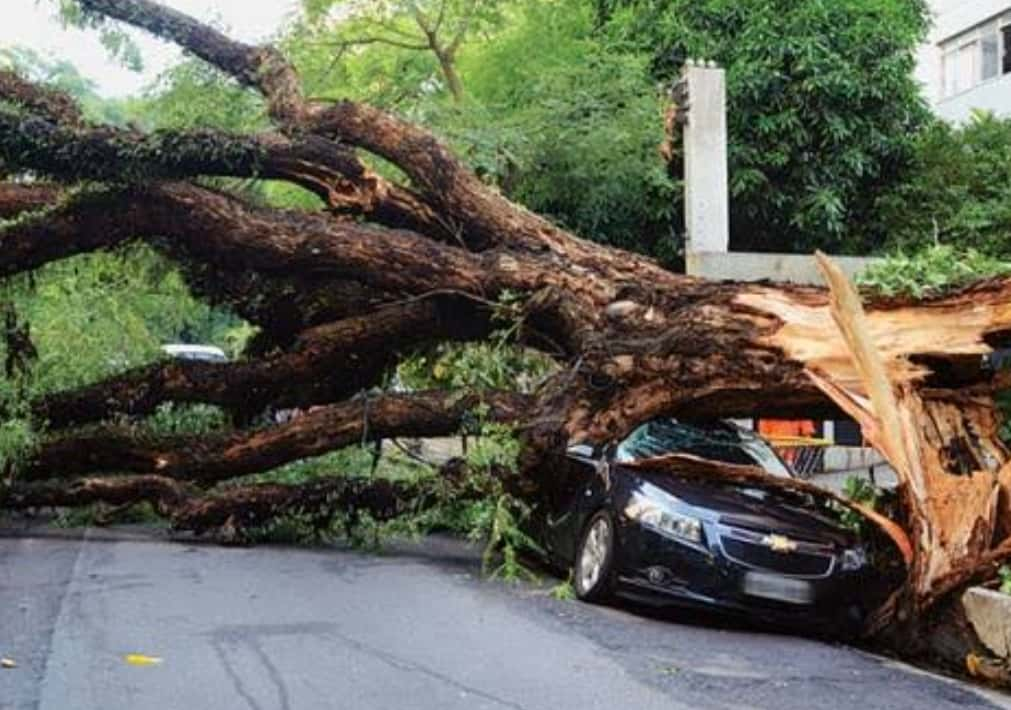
(718, 441)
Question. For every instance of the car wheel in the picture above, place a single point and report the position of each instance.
(595, 559)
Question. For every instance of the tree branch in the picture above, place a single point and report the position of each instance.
(440, 16)
(76, 223)
(363, 41)
(454, 44)
(19, 198)
(211, 458)
(231, 511)
(263, 68)
(475, 211)
(221, 230)
(326, 364)
(109, 154)
(43, 101)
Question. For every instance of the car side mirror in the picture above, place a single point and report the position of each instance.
(582, 451)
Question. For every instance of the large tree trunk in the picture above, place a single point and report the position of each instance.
(382, 267)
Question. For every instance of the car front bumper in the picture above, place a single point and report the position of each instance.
(656, 569)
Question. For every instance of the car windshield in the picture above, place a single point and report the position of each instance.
(716, 441)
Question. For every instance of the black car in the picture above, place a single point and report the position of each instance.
(657, 537)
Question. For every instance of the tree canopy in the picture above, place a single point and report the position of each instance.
(822, 106)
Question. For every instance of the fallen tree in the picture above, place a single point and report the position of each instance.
(436, 258)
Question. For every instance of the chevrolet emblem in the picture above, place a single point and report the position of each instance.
(779, 543)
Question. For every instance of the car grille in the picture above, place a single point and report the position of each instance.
(748, 548)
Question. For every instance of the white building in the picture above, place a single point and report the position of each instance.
(966, 62)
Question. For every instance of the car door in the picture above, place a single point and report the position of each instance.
(574, 494)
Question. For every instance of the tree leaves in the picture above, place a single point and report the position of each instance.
(822, 106)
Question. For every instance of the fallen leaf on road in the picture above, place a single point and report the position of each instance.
(139, 659)
(8, 663)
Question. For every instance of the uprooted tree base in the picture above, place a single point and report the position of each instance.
(382, 267)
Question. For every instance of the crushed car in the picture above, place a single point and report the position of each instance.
(629, 529)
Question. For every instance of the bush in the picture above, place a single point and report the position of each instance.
(929, 271)
(957, 190)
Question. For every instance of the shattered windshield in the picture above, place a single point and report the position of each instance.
(717, 441)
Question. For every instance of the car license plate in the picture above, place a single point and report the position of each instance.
(774, 586)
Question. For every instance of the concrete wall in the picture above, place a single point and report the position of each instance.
(994, 95)
(749, 266)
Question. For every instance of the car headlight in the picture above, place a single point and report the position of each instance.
(666, 521)
(853, 558)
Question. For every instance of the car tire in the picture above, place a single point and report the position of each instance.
(592, 570)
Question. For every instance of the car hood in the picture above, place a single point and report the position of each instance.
(760, 509)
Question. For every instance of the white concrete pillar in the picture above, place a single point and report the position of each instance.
(828, 430)
(707, 220)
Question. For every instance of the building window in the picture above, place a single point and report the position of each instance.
(977, 55)
(1005, 33)
(990, 46)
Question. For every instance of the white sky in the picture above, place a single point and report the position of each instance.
(32, 23)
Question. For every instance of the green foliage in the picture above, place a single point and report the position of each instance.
(195, 95)
(172, 419)
(116, 40)
(506, 539)
(929, 271)
(860, 490)
(425, 35)
(330, 524)
(586, 152)
(92, 316)
(569, 125)
(475, 365)
(1004, 574)
(823, 106)
(101, 514)
(121, 307)
(562, 110)
(957, 190)
(552, 116)
(63, 75)
(564, 591)
(498, 518)
(319, 527)
(18, 435)
(496, 363)
(495, 446)
(357, 460)
(289, 529)
(1003, 402)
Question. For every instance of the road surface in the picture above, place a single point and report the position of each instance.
(272, 628)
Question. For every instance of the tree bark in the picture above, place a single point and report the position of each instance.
(213, 458)
(231, 512)
(326, 364)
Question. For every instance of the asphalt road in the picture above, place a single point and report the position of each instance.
(273, 628)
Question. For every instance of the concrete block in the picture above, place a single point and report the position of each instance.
(753, 266)
(989, 612)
